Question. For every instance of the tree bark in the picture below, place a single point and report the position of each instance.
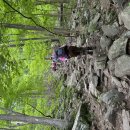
(36, 28)
(40, 2)
(52, 14)
(63, 124)
(29, 39)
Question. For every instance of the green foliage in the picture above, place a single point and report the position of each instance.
(8, 70)
(25, 76)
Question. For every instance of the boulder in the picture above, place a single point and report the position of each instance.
(110, 30)
(105, 43)
(125, 119)
(93, 23)
(111, 66)
(124, 17)
(100, 60)
(82, 118)
(118, 48)
(116, 82)
(79, 41)
(93, 82)
(105, 4)
(122, 66)
(111, 97)
(72, 79)
(110, 115)
(127, 34)
(118, 3)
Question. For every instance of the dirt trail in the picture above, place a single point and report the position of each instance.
(103, 79)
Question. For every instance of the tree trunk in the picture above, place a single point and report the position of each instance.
(36, 28)
(63, 124)
(29, 39)
(40, 2)
(9, 129)
(52, 14)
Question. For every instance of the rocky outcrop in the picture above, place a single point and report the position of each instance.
(118, 48)
(103, 76)
(122, 66)
(110, 30)
(100, 60)
(105, 43)
(72, 79)
(125, 118)
(124, 17)
(93, 23)
(111, 97)
(80, 121)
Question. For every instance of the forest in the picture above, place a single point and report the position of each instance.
(86, 92)
(27, 85)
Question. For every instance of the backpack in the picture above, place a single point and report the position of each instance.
(60, 52)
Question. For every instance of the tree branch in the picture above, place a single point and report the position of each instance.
(39, 111)
(30, 18)
(10, 111)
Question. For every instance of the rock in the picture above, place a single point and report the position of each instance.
(115, 81)
(105, 43)
(122, 66)
(93, 82)
(110, 30)
(127, 34)
(85, 17)
(80, 122)
(105, 4)
(111, 97)
(72, 79)
(125, 84)
(126, 120)
(94, 79)
(124, 88)
(96, 18)
(79, 41)
(110, 115)
(119, 3)
(100, 60)
(93, 23)
(82, 126)
(124, 17)
(118, 48)
(111, 66)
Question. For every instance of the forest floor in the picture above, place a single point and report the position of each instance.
(101, 80)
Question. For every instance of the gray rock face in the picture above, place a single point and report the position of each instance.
(72, 79)
(93, 82)
(100, 60)
(124, 17)
(82, 126)
(119, 3)
(122, 66)
(118, 48)
(93, 23)
(125, 118)
(116, 82)
(111, 97)
(105, 43)
(111, 66)
(111, 115)
(110, 30)
(80, 121)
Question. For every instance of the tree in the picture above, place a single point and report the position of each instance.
(60, 123)
(39, 2)
(63, 31)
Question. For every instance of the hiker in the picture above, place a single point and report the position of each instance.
(63, 53)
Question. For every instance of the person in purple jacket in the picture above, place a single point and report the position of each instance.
(63, 53)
